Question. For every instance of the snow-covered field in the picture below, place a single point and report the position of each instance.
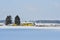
(57, 26)
(27, 27)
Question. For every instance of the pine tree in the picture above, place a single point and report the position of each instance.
(8, 20)
(17, 20)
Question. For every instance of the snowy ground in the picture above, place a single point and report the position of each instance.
(27, 27)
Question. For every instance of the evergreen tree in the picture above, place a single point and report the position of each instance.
(17, 20)
(8, 20)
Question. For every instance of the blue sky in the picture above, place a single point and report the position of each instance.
(29, 34)
(30, 9)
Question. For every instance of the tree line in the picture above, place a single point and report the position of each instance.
(9, 20)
